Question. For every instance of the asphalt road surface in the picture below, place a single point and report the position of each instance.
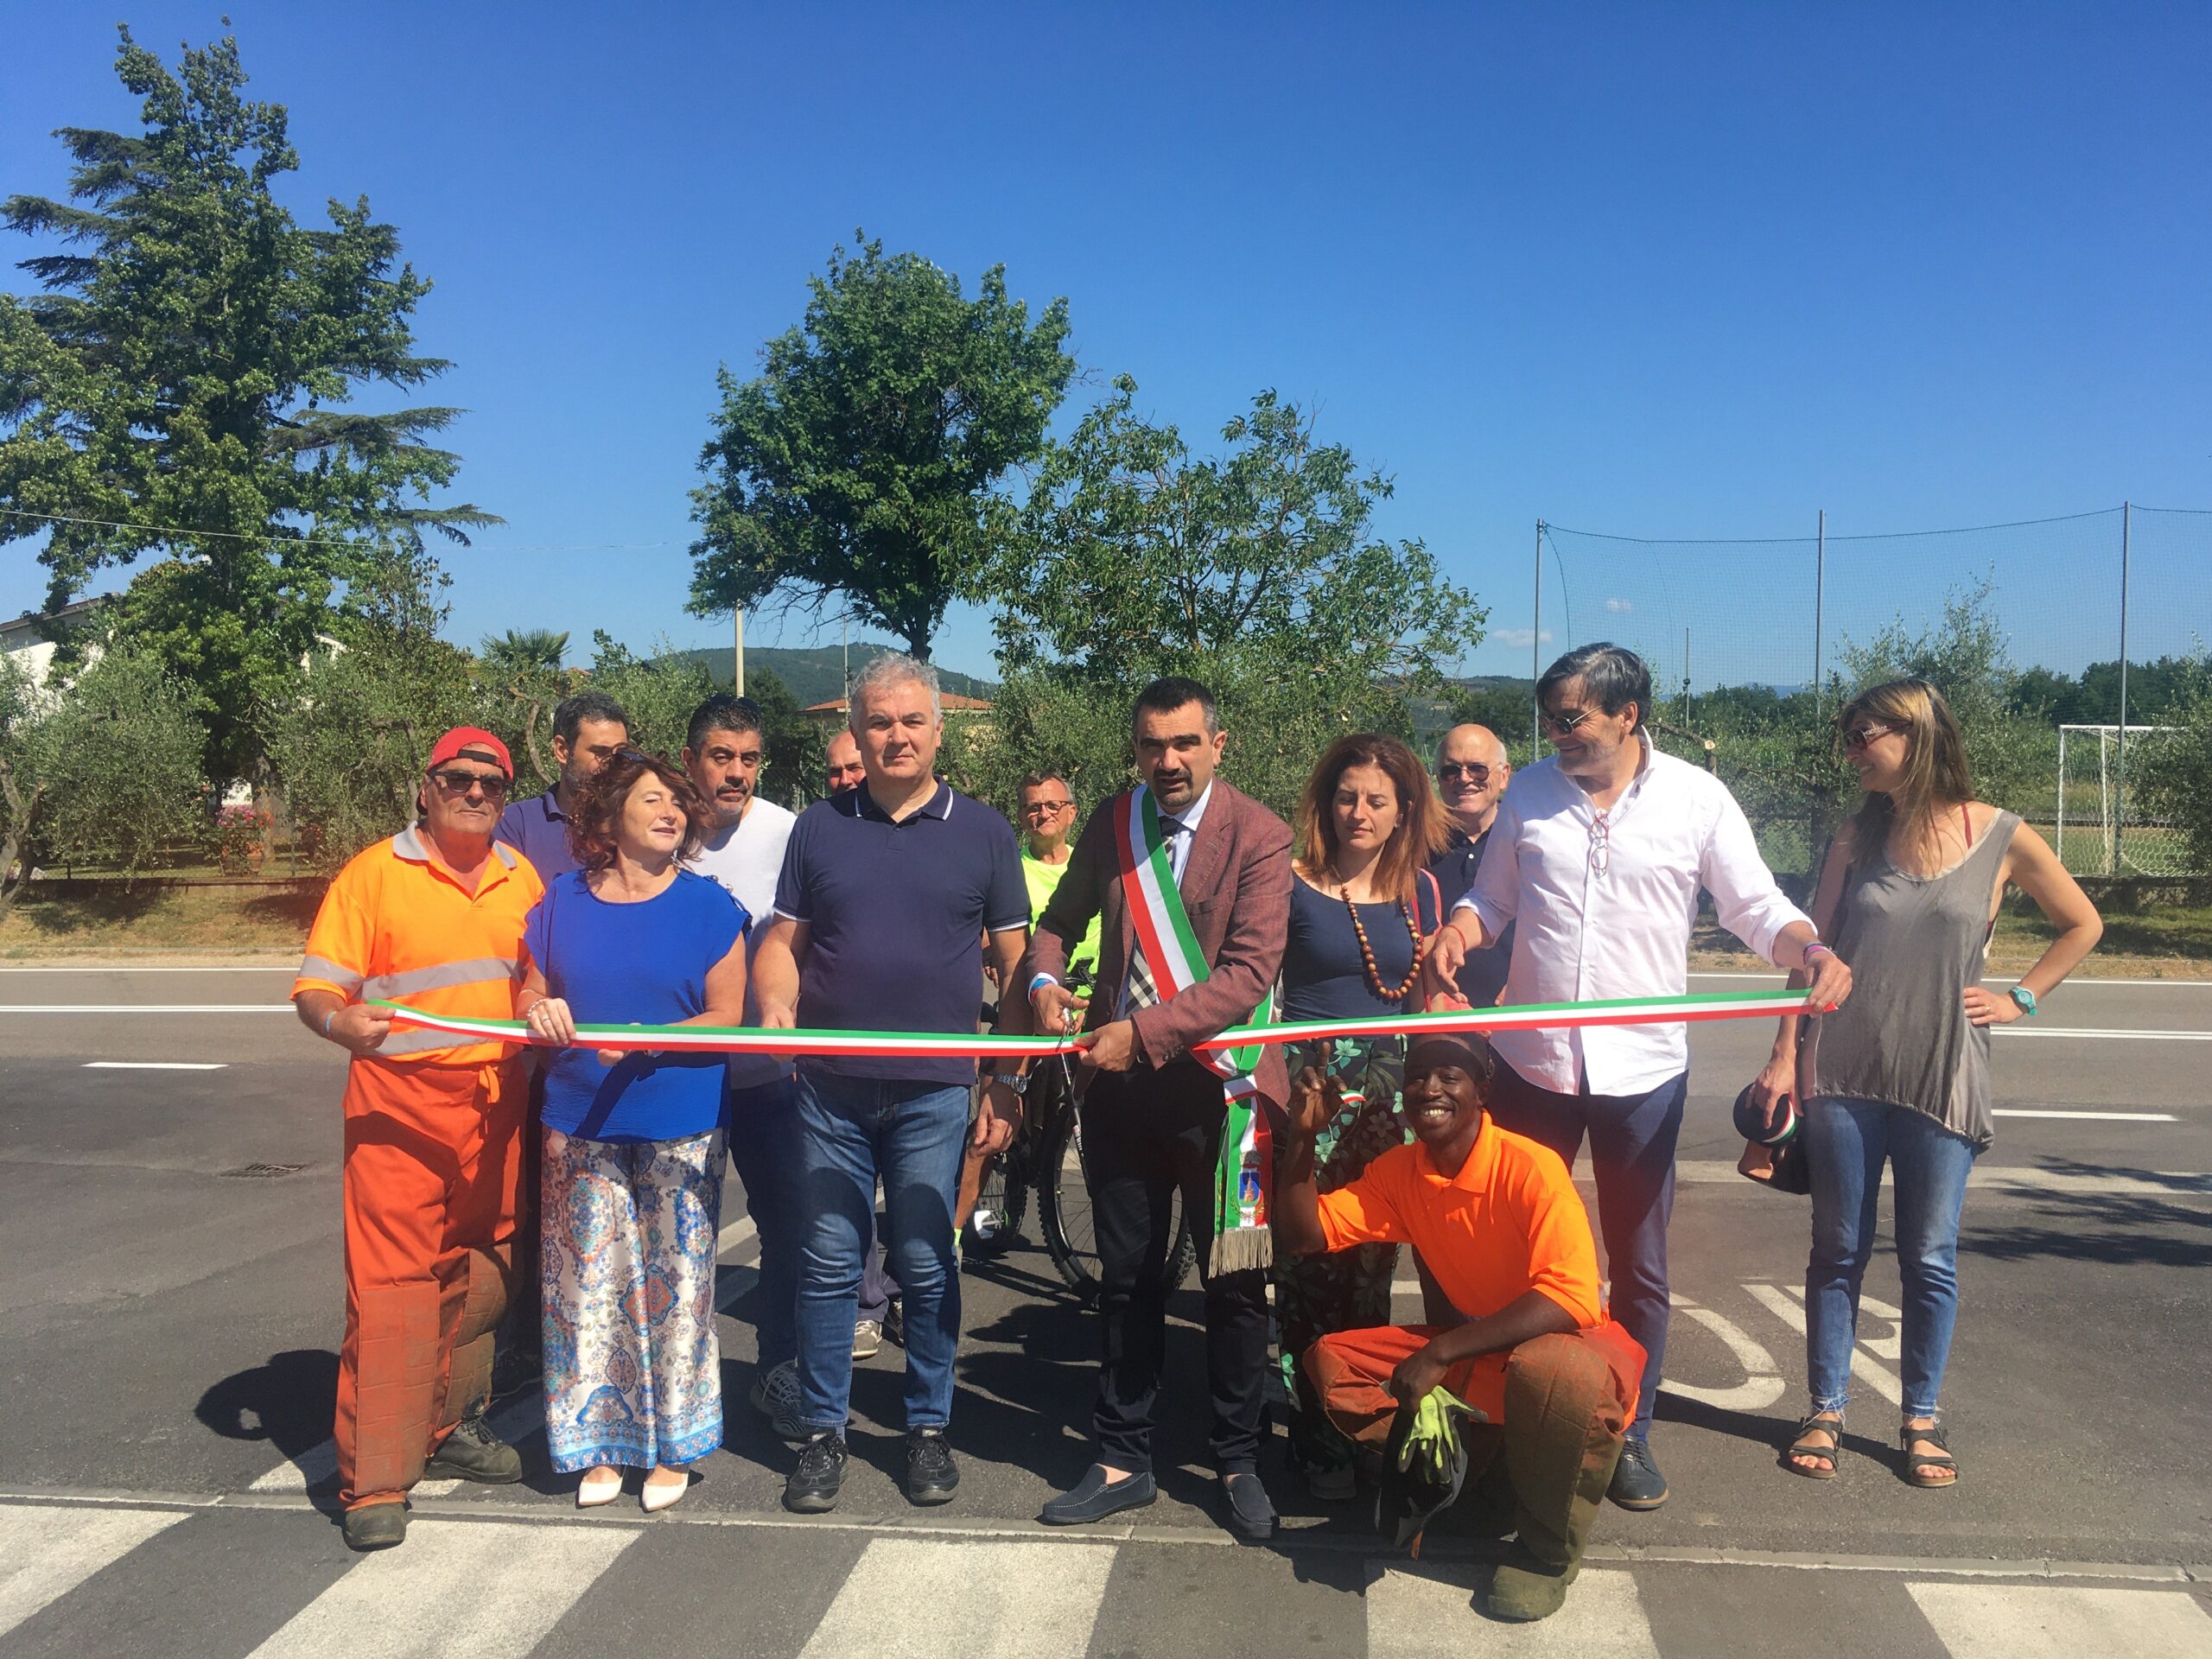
(171, 1305)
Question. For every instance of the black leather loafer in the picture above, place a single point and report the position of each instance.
(1251, 1515)
(1094, 1497)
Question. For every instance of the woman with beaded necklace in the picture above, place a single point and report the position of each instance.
(1363, 910)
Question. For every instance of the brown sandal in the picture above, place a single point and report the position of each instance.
(1803, 1447)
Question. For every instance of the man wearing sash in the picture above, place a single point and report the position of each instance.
(1191, 881)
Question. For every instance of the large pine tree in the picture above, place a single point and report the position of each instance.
(184, 383)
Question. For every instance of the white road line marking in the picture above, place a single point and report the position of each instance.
(2108, 1036)
(2000, 1621)
(1889, 1347)
(47, 1552)
(2100, 1117)
(735, 1235)
(316, 1466)
(156, 1065)
(1863, 1366)
(1429, 1614)
(2150, 1184)
(1761, 1385)
(145, 1008)
(291, 968)
(983, 1601)
(491, 1589)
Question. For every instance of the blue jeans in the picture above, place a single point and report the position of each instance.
(1632, 1157)
(764, 1139)
(1846, 1142)
(852, 1131)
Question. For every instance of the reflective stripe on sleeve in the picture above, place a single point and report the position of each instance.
(445, 975)
(324, 968)
(418, 1042)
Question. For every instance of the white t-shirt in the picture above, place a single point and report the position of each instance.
(746, 858)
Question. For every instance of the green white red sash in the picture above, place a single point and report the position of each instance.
(1241, 1238)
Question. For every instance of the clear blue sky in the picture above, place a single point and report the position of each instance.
(1677, 270)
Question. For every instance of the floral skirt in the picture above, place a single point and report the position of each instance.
(1317, 1296)
(632, 1359)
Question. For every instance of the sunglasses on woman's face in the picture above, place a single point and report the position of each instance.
(1859, 737)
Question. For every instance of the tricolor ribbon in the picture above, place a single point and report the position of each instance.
(903, 1045)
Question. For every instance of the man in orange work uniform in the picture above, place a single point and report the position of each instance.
(433, 917)
(1497, 1221)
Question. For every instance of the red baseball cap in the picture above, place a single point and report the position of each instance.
(475, 743)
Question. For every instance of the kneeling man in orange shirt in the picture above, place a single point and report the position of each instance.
(1498, 1221)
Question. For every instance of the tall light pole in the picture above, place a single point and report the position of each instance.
(739, 660)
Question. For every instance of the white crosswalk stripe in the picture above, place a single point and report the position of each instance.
(976, 1597)
(1429, 1614)
(980, 1600)
(2014, 1621)
(515, 1582)
(45, 1552)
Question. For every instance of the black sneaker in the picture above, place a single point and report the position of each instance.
(1637, 1483)
(932, 1475)
(376, 1526)
(472, 1452)
(812, 1488)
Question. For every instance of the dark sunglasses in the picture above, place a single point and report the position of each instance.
(1473, 772)
(1563, 724)
(1859, 737)
(458, 783)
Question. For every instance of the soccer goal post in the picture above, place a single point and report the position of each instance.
(2110, 835)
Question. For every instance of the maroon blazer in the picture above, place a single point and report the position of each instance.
(1236, 889)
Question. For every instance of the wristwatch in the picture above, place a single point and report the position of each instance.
(1017, 1081)
(2024, 997)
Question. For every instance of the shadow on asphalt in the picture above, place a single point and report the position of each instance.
(287, 1402)
(2127, 1229)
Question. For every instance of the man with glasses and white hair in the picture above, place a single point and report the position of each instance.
(1597, 857)
(1472, 770)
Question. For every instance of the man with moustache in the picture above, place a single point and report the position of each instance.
(883, 897)
(724, 750)
(432, 917)
(1472, 772)
(1599, 853)
(1155, 1119)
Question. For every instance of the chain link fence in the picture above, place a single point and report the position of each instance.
(2062, 642)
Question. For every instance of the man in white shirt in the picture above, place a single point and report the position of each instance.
(1596, 859)
(723, 753)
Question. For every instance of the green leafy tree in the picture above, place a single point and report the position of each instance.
(859, 465)
(182, 386)
(348, 745)
(795, 744)
(120, 763)
(1255, 570)
(22, 791)
(523, 684)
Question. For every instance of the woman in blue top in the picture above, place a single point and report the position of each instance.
(1362, 908)
(632, 1198)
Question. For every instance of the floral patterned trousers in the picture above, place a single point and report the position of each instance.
(632, 1359)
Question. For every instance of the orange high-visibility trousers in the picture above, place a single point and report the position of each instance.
(433, 1163)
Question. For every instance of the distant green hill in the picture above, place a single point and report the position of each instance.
(816, 674)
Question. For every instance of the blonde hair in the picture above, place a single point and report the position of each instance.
(1936, 775)
(1420, 833)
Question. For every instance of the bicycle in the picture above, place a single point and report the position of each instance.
(1046, 1158)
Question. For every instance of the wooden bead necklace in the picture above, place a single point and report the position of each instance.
(1367, 951)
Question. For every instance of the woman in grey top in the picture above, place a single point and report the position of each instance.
(1909, 892)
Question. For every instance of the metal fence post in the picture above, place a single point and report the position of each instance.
(2119, 794)
(1819, 600)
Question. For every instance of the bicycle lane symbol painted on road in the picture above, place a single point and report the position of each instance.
(1763, 1381)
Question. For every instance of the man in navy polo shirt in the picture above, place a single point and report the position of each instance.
(884, 892)
(590, 729)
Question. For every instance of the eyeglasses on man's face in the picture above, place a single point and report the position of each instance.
(1474, 770)
(1560, 722)
(456, 783)
(1044, 808)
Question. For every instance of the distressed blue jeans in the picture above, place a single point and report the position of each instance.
(853, 1131)
(1846, 1142)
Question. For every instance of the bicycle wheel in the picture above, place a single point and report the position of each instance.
(1064, 1215)
(1000, 1204)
